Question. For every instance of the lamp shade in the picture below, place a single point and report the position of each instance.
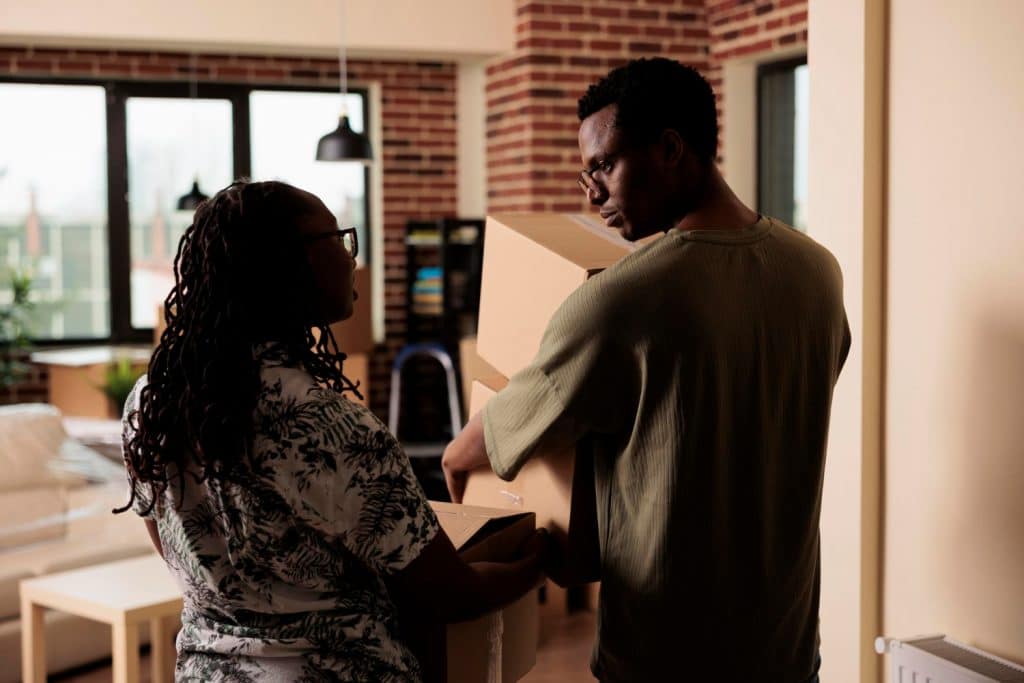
(192, 200)
(344, 144)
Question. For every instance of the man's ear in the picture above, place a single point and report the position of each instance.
(672, 147)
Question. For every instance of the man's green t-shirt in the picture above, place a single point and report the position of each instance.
(701, 369)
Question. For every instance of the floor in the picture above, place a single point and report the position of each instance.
(563, 655)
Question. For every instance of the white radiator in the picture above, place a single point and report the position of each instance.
(937, 659)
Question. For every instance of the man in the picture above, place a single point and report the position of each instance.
(699, 372)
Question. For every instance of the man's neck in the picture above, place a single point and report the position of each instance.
(719, 208)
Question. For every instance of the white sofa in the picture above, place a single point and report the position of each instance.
(55, 501)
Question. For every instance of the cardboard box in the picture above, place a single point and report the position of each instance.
(532, 262)
(357, 368)
(471, 366)
(355, 334)
(474, 651)
(557, 486)
(77, 375)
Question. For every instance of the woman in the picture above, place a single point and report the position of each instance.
(288, 513)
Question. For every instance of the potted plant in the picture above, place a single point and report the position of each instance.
(14, 331)
(120, 377)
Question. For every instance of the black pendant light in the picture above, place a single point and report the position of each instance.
(191, 200)
(343, 143)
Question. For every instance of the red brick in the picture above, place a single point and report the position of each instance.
(660, 31)
(798, 18)
(773, 24)
(623, 30)
(584, 26)
(788, 39)
(644, 47)
(35, 65)
(565, 9)
(606, 12)
(68, 66)
(567, 43)
(606, 45)
(643, 14)
(539, 25)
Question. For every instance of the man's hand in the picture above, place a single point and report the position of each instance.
(463, 455)
(456, 481)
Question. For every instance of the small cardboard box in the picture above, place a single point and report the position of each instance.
(355, 334)
(474, 651)
(532, 262)
(554, 484)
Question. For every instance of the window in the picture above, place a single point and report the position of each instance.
(171, 143)
(53, 205)
(782, 140)
(285, 126)
(88, 202)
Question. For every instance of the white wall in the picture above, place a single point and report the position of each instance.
(845, 52)
(954, 474)
(471, 167)
(439, 29)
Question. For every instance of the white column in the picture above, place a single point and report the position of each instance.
(846, 53)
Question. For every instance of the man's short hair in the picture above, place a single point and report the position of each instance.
(656, 94)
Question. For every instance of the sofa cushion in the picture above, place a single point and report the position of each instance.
(10, 576)
(35, 450)
(58, 556)
(31, 515)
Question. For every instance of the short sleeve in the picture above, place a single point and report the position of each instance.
(142, 504)
(372, 499)
(584, 379)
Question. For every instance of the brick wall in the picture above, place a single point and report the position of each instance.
(417, 151)
(752, 29)
(564, 45)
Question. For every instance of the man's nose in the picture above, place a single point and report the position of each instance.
(597, 196)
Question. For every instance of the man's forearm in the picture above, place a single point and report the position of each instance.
(467, 452)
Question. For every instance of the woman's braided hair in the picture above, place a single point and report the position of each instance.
(241, 278)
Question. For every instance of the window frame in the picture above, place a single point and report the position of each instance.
(117, 92)
(765, 69)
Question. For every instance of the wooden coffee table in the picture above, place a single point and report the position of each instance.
(123, 594)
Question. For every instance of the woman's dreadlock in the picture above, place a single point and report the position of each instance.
(241, 278)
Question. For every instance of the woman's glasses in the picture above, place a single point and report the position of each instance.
(346, 235)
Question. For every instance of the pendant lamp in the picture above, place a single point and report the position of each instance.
(343, 143)
(191, 200)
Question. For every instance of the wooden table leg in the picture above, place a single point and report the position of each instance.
(161, 650)
(33, 642)
(125, 646)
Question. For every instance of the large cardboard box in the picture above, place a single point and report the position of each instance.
(357, 368)
(471, 366)
(557, 486)
(355, 334)
(532, 262)
(501, 646)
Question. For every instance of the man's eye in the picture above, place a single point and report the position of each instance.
(606, 165)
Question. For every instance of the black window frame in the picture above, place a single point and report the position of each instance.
(117, 92)
(763, 187)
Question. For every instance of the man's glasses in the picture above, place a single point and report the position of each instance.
(587, 183)
(347, 236)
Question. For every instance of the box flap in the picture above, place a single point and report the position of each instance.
(575, 237)
(464, 523)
